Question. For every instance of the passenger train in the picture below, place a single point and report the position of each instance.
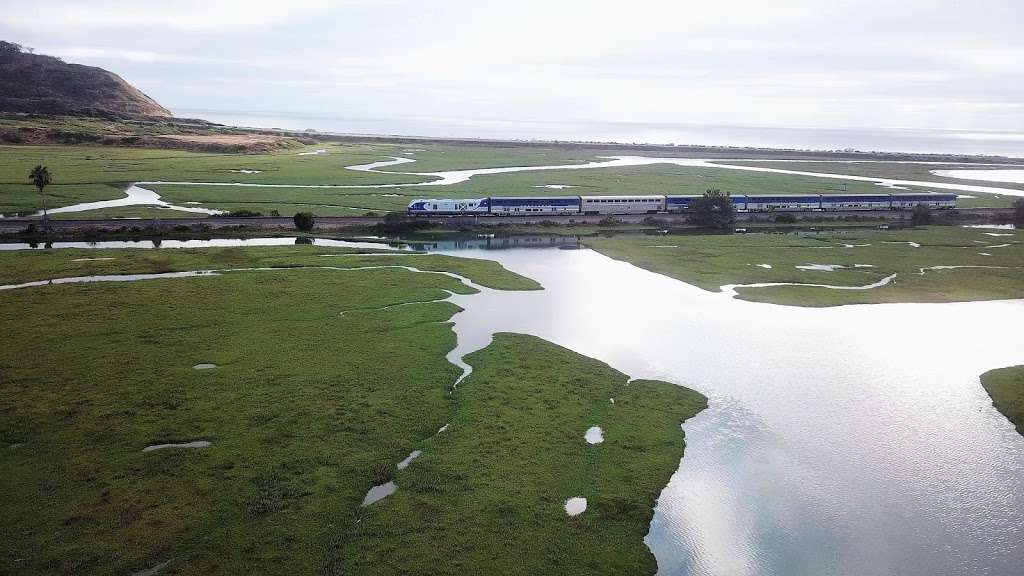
(617, 205)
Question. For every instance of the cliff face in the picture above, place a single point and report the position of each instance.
(37, 84)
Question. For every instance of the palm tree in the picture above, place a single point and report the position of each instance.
(40, 177)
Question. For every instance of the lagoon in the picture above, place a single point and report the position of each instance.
(849, 440)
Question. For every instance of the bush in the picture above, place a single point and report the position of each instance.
(1018, 213)
(304, 221)
(785, 218)
(609, 221)
(714, 210)
(921, 215)
(242, 214)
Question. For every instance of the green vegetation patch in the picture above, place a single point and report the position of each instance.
(321, 384)
(711, 261)
(1006, 387)
(487, 496)
(30, 265)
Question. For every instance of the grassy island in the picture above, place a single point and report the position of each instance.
(1006, 387)
(932, 264)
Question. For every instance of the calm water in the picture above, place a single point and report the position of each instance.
(893, 140)
(1012, 176)
(854, 440)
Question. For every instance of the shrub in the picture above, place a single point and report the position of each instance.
(921, 215)
(242, 214)
(304, 221)
(1018, 213)
(785, 218)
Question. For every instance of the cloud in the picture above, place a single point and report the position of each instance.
(869, 63)
(190, 15)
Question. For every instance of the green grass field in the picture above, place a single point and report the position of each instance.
(1006, 387)
(322, 386)
(90, 173)
(710, 261)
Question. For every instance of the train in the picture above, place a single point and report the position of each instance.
(680, 204)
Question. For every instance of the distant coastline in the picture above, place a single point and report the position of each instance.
(893, 141)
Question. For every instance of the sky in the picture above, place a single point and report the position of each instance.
(556, 68)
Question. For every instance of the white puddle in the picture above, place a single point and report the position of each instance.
(664, 246)
(1006, 176)
(991, 226)
(108, 278)
(204, 366)
(927, 268)
(575, 506)
(911, 244)
(1000, 245)
(556, 186)
(856, 245)
(379, 492)
(134, 196)
(984, 254)
(373, 166)
(765, 266)
(820, 267)
(313, 153)
(729, 290)
(408, 459)
(244, 171)
(594, 435)
(195, 444)
(998, 234)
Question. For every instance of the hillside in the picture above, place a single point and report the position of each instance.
(38, 84)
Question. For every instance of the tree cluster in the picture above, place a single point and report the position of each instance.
(304, 221)
(714, 210)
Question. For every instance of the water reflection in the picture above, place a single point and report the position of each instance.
(851, 440)
(210, 243)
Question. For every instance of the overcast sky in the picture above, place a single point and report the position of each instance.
(820, 64)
